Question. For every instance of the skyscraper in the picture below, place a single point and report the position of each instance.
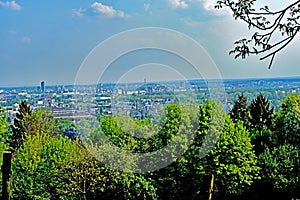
(43, 86)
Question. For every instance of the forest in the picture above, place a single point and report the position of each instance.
(252, 151)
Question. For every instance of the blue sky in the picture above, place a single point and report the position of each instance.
(49, 40)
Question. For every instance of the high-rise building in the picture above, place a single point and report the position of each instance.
(43, 86)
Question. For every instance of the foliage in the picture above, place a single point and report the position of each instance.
(262, 139)
(87, 178)
(268, 24)
(37, 164)
(98, 161)
(143, 135)
(240, 110)
(18, 129)
(29, 123)
(68, 128)
(288, 121)
(232, 161)
(230, 157)
(4, 134)
(175, 129)
(261, 113)
(180, 179)
(280, 167)
(56, 167)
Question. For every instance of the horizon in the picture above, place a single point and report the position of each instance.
(150, 82)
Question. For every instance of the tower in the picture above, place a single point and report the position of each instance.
(43, 86)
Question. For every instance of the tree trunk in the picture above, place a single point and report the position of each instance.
(6, 174)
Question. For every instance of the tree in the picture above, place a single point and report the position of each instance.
(261, 124)
(262, 139)
(232, 161)
(181, 178)
(268, 25)
(49, 165)
(4, 135)
(37, 166)
(171, 124)
(68, 128)
(240, 110)
(87, 178)
(261, 113)
(4, 132)
(287, 121)
(18, 129)
(28, 123)
(280, 168)
(176, 128)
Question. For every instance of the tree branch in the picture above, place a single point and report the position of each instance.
(279, 49)
(284, 21)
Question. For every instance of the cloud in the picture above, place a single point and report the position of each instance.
(147, 6)
(108, 11)
(178, 4)
(209, 5)
(26, 40)
(12, 5)
(190, 22)
(12, 32)
(78, 12)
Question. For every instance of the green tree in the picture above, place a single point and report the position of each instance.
(68, 128)
(4, 132)
(29, 123)
(288, 121)
(18, 129)
(183, 177)
(4, 135)
(170, 124)
(262, 124)
(232, 159)
(37, 166)
(261, 113)
(89, 179)
(40, 150)
(280, 168)
(51, 166)
(262, 139)
(180, 179)
(268, 24)
(176, 127)
(240, 110)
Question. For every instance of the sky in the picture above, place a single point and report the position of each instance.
(52, 40)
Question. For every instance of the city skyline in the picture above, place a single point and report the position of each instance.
(50, 41)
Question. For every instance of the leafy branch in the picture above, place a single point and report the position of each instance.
(274, 29)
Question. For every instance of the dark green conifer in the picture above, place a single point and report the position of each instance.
(261, 113)
(18, 129)
(240, 110)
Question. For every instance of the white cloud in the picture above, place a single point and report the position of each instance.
(147, 6)
(190, 22)
(78, 12)
(12, 32)
(209, 5)
(108, 10)
(178, 4)
(26, 40)
(12, 5)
